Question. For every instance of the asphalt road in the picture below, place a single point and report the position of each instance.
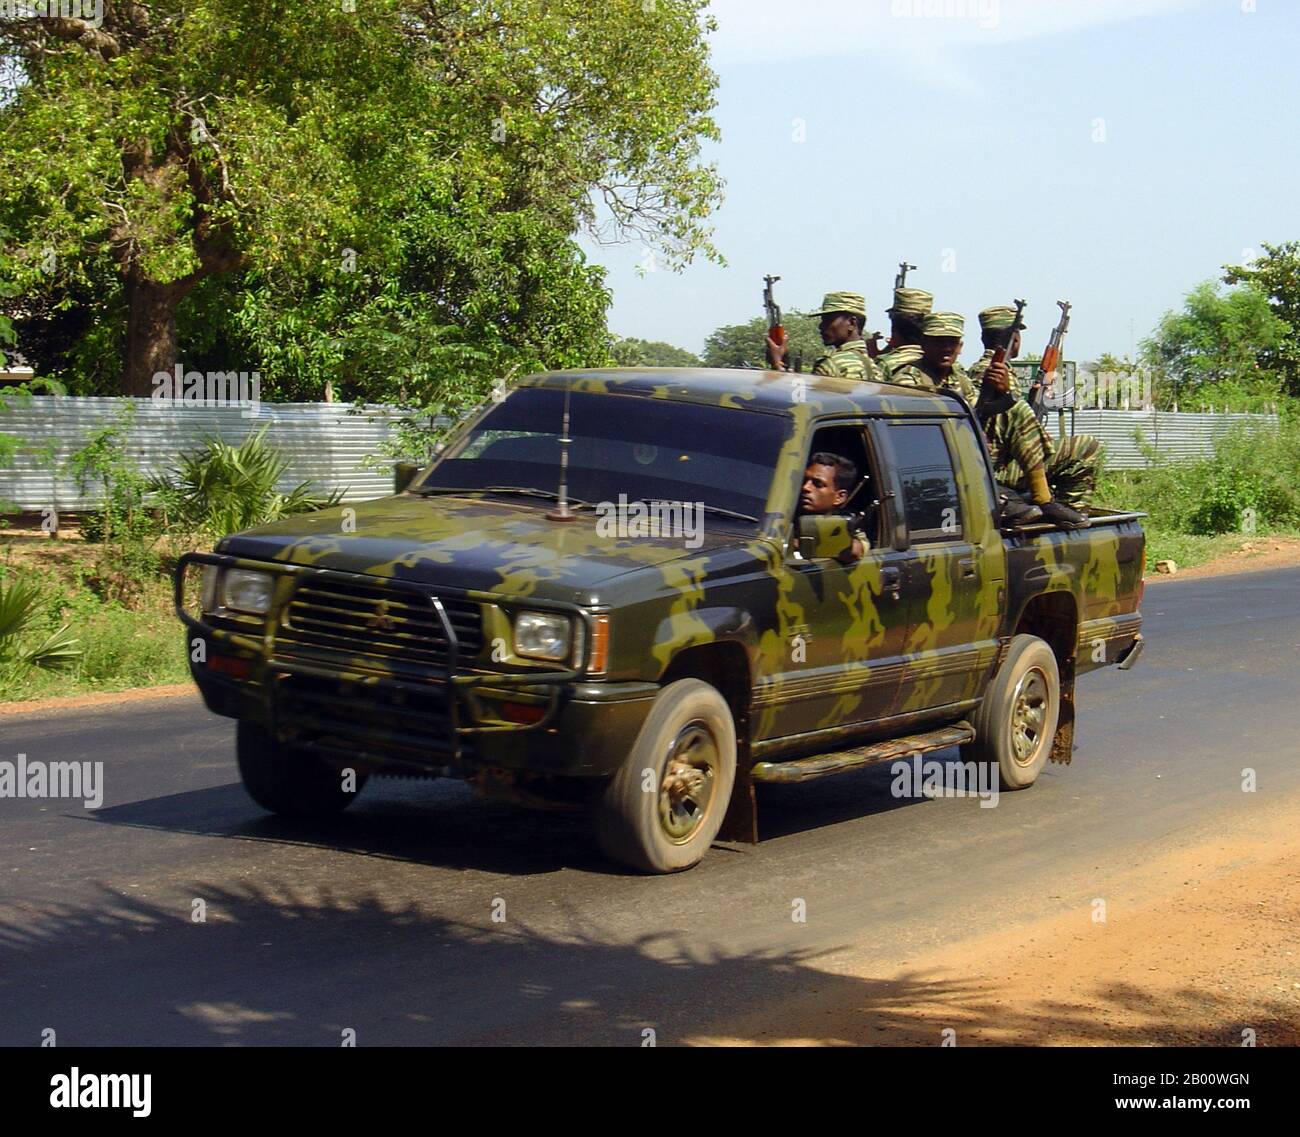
(425, 916)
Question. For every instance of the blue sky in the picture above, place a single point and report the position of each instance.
(1113, 153)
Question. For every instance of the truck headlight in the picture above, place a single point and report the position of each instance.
(541, 635)
(246, 591)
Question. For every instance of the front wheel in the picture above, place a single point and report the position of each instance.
(662, 810)
(291, 782)
(1016, 722)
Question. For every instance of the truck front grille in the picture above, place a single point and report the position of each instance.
(374, 627)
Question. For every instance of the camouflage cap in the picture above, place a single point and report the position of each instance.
(854, 303)
(999, 317)
(911, 303)
(943, 324)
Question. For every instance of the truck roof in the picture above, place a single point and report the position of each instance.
(772, 391)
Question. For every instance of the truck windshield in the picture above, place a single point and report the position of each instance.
(621, 445)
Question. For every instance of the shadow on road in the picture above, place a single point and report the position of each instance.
(443, 823)
(431, 823)
(272, 965)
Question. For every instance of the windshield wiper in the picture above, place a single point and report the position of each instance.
(526, 491)
(707, 508)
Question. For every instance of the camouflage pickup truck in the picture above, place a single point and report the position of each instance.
(603, 595)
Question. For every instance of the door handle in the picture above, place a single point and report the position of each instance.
(891, 581)
(967, 566)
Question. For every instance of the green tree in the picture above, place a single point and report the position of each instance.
(744, 345)
(1277, 275)
(1213, 349)
(632, 352)
(284, 168)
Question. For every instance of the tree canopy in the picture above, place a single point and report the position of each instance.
(744, 345)
(382, 194)
(1277, 275)
(632, 352)
(1216, 349)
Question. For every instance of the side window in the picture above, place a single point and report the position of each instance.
(929, 485)
(849, 440)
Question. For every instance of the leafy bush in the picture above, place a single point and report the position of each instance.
(21, 643)
(1223, 507)
(222, 488)
(102, 458)
(1252, 469)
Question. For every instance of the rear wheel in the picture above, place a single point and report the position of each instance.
(288, 781)
(662, 810)
(1016, 722)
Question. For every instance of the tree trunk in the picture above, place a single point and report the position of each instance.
(150, 332)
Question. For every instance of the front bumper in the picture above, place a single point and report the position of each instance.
(453, 719)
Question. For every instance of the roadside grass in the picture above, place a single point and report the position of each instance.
(120, 614)
(1187, 550)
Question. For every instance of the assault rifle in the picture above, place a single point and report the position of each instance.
(775, 329)
(873, 340)
(1045, 376)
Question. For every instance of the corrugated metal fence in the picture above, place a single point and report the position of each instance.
(327, 443)
(1176, 436)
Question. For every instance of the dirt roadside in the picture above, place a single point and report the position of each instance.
(1197, 946)
(1252, 556)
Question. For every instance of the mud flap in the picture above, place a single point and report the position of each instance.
(1063, 742)
(741, 821)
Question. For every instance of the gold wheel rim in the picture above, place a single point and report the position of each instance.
(688, 782)
(1029, 707)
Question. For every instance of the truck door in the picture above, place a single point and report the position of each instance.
(846, 623)
(953, 578)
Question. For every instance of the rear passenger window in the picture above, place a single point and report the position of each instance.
(929, 485)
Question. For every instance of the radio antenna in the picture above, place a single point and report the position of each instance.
(562, 512)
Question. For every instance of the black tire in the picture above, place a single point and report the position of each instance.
(287, 781)
(662, 810)
(1016, 722)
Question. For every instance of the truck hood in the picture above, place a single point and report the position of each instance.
(489, 545)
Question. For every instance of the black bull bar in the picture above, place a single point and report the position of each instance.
(445, 679)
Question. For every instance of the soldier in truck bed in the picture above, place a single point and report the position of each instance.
(1059, 477)
(909, 310)
(941, 340)
(843, 317)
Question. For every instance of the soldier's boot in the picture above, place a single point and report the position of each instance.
(1063, 515)
(1017, 511)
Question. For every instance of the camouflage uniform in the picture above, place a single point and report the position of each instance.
(1018, 442)
(850, 360)
(910, 304)
(1016, 437)
(921, 374)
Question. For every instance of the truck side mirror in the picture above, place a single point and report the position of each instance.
(823, 535)
(404, 474)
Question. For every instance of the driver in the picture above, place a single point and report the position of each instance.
(827, 483)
